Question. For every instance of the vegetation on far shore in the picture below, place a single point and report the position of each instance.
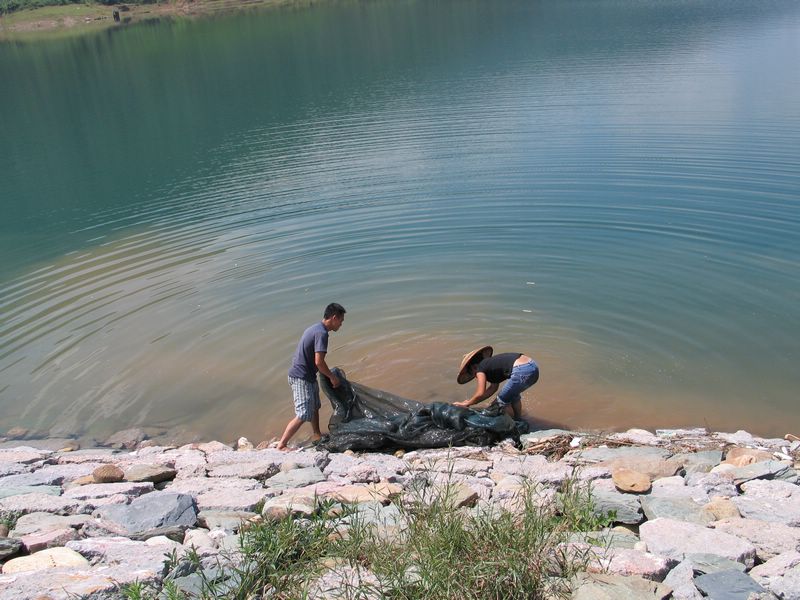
(438, 552)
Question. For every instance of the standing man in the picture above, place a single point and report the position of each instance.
(308, 359)
(520, 370)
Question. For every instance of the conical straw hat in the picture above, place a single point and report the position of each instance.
(463, 376)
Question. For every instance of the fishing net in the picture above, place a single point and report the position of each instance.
(368, 419)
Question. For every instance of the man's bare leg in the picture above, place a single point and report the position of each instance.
(291, 429)
(315, 426)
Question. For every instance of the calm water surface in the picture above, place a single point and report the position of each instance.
(610, 186)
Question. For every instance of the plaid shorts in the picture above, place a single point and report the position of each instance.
(306, 397)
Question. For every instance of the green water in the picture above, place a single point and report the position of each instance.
(612, 187)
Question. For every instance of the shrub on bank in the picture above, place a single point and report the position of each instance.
(437, 552)
(9, 6)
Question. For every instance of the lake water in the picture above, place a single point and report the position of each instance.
(610, 186)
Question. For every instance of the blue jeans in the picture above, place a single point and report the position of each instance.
(522, 377)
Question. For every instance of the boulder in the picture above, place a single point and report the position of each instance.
(624, 453)
(215, 493)
(295, 478)
(698, 462)
(776, 501)
(712, 563)
(727, 585)
(94, 491)
(41, 521)
(40, 540)
(769, 538)
(280, 507)
(722, 508)
(46, 559)
(680, 509)
(108, 474)
(627, 480)
(676, 539)
(598, 586)
(625, 562)
(145, 558)
(7, 492)
(229, 520)
(755, 455)
(157, 509)
(681, 580)
(777, 566)
(770, 469)
(149, 472)
(37, 502)
(9, 547)
(626, 506)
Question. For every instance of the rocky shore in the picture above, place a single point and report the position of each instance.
(698, 514)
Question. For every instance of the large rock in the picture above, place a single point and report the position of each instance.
(769, 538)
(295, 478)
(149, 472)
(698, 462)
(777, 501)
(625, 562)
(712, 563)
(9, 547)
(40, 521)
(108, 474)
(627, 480)
(146, 558)
(770, 469)
(40, 540)
(106, 490)
(46, 559)
(228, 520)
(246, 470)
(28, 503)
(676, 539)
(7, 492)
(777, 566)
(755, 454)
(215, 493)
(626, 506)
(23, 455)
(598, 586)
(681, 580)
(727, 585)
(157, 509)
(653, 467)
(49, 475)
(722, 508)
(680, 509)
(606, 455)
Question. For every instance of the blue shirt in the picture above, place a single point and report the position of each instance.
(313, 340)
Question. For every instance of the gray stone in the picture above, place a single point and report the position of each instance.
(788, 586)
(776, 501)
(143, 557)
(23, 455)
(640, 437)
(9, 547)
(712, 563)
(534, 437)
(149, 472)
(228, 520)
(46, 559)
(625, 562)
(597, 586)
(740, 438)
(280, 507)
(698, 462)
(10, 468)
(626, 506)
(727, 585)
(681, 580)
(769, 538)
(37, 502)
(52, 490)
(680, 509)
(49, 475)
(676, 539)
(40, 540)
(713, 484)
(695, 433)
(607, 538)
(776, 567)
(247, 470)
(597, 455)
(157, 509)
(526, 466)
(295, 478)
(770, 469)
(41, 521)
(106, 490)
(215, 493)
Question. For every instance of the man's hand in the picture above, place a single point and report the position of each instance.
(334, 380)
(462, 404)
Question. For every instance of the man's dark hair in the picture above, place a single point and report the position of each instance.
(333, 309)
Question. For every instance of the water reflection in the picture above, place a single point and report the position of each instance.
(609, 186)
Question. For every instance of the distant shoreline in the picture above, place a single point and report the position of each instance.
(50, 22)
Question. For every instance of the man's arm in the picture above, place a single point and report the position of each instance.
(322, 366)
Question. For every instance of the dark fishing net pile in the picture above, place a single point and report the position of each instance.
(368, 419)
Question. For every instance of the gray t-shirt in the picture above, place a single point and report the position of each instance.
(314, 339)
